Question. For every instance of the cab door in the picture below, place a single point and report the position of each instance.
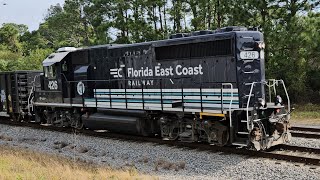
(67, 78)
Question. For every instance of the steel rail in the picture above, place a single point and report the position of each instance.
(305, 132)
(298, 128)
(270, 154)
(305, 135)
(299, 149)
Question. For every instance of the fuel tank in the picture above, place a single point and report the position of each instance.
(116, 120)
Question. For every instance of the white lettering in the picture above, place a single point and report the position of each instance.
(53, 85)
(188, 71)
(178, 72)
(159, 71)
(200, 69)
(134, 83)
(130, 70)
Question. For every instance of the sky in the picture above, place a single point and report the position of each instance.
(28, 12)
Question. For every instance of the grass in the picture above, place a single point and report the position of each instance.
(21, 164)
(306, 114)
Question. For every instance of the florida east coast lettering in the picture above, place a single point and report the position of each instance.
(159, 71)
(156, 71)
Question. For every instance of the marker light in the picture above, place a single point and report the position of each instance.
(262, 45)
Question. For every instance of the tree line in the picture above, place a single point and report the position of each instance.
(291, 30)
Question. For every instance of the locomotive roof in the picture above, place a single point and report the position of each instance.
(175, 41)
(219, 35)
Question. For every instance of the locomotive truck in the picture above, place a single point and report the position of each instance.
(202, 86)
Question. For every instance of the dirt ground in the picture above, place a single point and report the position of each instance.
(305, 122)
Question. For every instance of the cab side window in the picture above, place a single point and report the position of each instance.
(64, 66)
(50, 72)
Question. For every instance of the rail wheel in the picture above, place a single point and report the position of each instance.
(169, 132)
(78, 124)
(76, 121)
(47, 117)
(217, 133)
(58, 119)
(15, 117)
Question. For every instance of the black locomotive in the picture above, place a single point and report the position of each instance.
(201, 86)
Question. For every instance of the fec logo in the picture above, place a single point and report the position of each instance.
(117, 73)
(80, 88)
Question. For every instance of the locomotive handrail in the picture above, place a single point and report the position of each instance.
(231, 101)
(270, 86)
(275, 82)
(288, 98)
(248, 104)
(221, 86)
(64, 76)
(161, 95)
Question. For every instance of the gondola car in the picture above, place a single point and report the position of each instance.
(202, 86)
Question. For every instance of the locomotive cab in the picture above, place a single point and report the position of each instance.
(54, 102)
(53, 81)
(63, 71)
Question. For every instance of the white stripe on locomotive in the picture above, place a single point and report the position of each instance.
(151, 99)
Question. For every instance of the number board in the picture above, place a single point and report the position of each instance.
(53, 85)
(249, 55)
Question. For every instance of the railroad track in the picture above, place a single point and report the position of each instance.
(281, 152)
(305, 132)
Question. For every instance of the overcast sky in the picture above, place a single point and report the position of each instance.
(28, 12)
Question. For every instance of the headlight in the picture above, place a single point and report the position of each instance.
(262, 102)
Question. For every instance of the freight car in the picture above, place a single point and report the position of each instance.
(16, 94)
(202, 86)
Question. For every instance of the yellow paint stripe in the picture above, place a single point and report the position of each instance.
(211, 114)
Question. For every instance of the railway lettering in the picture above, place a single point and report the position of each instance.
(135, 83)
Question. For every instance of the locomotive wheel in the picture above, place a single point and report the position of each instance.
(57, 120)
(223, 138)
(174, 134)
(76, 121)
(15, 117)
(47, 117)
(78, 124)
(170, 132)
(218, 134)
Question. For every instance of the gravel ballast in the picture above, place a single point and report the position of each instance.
(305, 142)
(159, 160)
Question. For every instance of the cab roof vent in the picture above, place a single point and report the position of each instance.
(231, 28)
(202, 32)
(178, 35)
(66, 49)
